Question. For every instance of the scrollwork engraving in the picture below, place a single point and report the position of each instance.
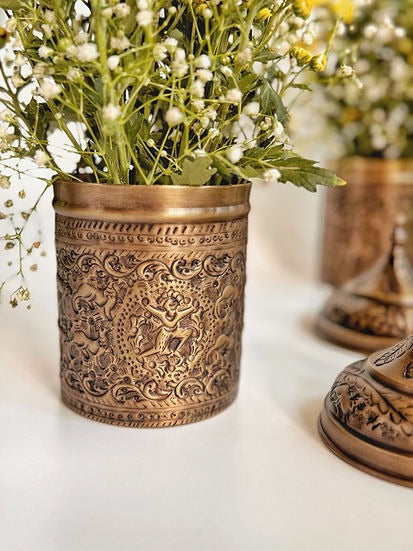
(149, 337)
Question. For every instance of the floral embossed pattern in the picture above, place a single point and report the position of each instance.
(376, 413)
(150, 319)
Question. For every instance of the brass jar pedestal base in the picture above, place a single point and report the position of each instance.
(367, 419)
(337, 334)
(375, 309)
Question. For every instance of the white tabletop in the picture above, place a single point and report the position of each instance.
(254, 477)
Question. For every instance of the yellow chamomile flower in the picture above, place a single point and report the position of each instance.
(302, 8)
(319, 62)
(302, 55)
(263, 14)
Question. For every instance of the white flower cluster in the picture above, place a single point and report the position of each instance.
(373, 110)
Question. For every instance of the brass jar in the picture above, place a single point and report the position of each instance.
(151, 293)
(360, 217)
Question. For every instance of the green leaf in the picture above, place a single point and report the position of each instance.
(137, 127)
(266, 56)
(194, 173)
(305, 173)
(248, 82)
(272, 104)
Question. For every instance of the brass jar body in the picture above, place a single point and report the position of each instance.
(360, 217)
(151, 294)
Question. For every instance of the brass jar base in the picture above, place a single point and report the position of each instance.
(348, 338)
(155, 418)
(324, 422)
(367, 419)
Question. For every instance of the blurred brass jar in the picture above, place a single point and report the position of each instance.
(151, 293)
(360, 217)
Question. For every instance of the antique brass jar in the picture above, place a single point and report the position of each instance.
(359, 218)
(151, 292)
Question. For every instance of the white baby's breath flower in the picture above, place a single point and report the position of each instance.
(144, 18)
(213, 133)
(49, 16)
(272, 175)
(48, 89)
(121, 10)
(171, 44)
(17, 80)
(71, 51)
(119, 42)
(111, 112)
(174, 116)
(113, 62)
(202, 62)
(47, 30)
(252, 109)
(143, 4)
(172, 10)
(207, 13)
(74, 75)
(4, 182)
(20, 60)
(41, 158)
(7, 116)
(11, 25)
(179, 67)
(211, 114)
(198, 105)
(346, 70)
(234, 95)
(245, 56)
(39, 70)
(107, 12)
(87, 52)
(227, 71)
(81, 38)
(159, 52)
(45, 51)
(197, 89)
(204, 75)
(234, 154)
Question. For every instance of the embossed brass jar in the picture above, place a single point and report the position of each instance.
(360, 216)
(151, 293)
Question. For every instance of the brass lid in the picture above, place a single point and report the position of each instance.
(367, 418)
(374, 309)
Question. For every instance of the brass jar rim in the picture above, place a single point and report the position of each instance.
(151, 204)
(359, 170)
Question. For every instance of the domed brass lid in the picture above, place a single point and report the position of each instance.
(375, 309)
(367, 418)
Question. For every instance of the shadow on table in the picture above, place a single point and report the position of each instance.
(308, 416)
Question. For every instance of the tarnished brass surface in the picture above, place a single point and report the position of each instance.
(151, 292)
(367, 418)
(375, 309)
(360, 216)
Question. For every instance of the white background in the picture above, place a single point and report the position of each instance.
(254, 477)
